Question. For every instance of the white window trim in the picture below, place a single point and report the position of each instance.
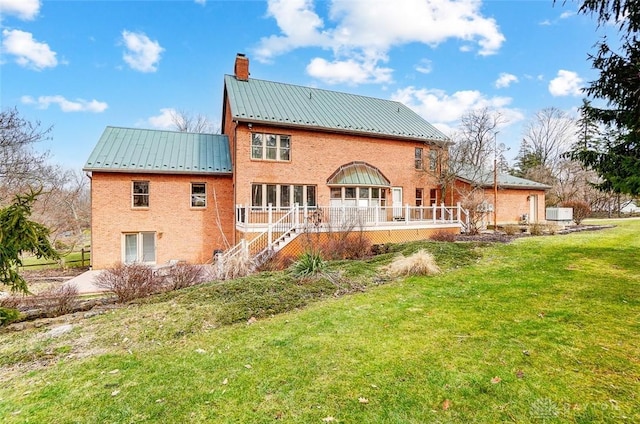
(279, 148)
(134, 194)
(139, 247)
(278, 202)
(200, 195)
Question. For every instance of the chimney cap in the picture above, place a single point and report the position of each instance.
(241, 55)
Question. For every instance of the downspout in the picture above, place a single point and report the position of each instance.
(234, 170)
(89, 175)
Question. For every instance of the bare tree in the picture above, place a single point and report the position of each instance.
(475, 139)
(550, 133)
(21, 166)
(186, 122)
(64, 205)
(472, 154)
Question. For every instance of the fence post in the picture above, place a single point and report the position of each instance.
(433, 212)
(82, 256)
(269, 229)
(406, 213)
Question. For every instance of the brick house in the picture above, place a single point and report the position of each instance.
(158, 196)
(290, 159)
(518, 200)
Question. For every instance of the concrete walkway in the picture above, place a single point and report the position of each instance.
(85, 283)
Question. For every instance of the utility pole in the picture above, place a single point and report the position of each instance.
(495, 182)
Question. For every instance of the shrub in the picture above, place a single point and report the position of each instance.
(308, 265)
(511, 229)
(581, 210)
(236, 266)
(443, 236)
(536, 229)
(420, 263)
(552, 228)
(56, 302)
(8, 315)
(183, 275)
(346, 245)
(128, 282)
(277, 262)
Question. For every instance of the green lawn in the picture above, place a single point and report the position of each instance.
(545, 329)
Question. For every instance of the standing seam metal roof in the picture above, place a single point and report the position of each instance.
(141, 150)
(285, 104)
(485, 179)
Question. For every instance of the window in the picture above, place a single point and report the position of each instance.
(271, 195)
(418, 158)
(360, 196)
(198, 195)
(140, 194)
(270, 147)
(419, 196)
(282, 195)
(433, 160)
(139, 247)
(433, 196)
(285, 196)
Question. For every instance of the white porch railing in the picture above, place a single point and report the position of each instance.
(281, 225)
(252, 219)
(278, 226)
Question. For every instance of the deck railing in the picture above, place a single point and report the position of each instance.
(257, 219)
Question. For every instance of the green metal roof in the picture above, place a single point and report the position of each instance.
(269, 102)
(485, 179)
(140, 150)
(358, 174)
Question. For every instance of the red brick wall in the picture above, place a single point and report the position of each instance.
(182, 232)
(316, 155)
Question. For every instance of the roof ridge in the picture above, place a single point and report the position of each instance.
(159, 130)
(321, 89)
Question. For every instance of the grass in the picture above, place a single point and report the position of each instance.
(72, 259)
(545, 329)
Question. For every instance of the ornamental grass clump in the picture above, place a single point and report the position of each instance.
(308, 265)
(419, 263)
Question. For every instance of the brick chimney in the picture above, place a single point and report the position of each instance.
(241, 69)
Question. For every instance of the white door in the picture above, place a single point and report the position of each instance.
(533, 208)
(396, 201)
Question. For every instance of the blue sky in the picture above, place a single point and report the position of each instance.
(83, 65)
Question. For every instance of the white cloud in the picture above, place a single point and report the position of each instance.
(425, 66)
(165, 120)
(202, 2)
(444, 110)
(567, 14)
(367, 31)
(567, 83)
(348, 71)
(505, 80)
(77, 105)
(29, 52)
(23, 9)
(142, 53)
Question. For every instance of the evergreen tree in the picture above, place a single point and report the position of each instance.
(617, 158)
(588, 131)
(18, 235)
